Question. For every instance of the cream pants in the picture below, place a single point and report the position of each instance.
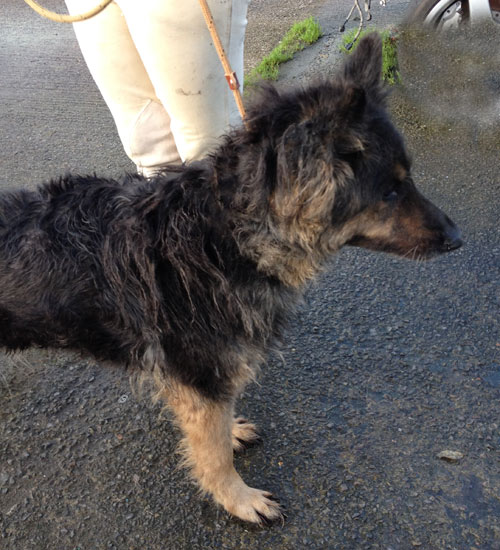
(158, 71)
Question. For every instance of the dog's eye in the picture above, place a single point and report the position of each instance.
(390, 196)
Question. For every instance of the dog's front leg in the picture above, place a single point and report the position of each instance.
(208, 445)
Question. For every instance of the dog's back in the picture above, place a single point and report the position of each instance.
(52, 244)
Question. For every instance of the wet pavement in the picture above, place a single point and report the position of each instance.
(387, 364)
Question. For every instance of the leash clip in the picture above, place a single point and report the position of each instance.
(232, 80)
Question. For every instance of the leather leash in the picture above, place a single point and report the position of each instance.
(231, 77)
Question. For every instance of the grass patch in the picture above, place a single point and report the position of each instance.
(301, 35)
(390, 70)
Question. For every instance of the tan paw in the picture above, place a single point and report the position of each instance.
(244, 434)
(256, 506)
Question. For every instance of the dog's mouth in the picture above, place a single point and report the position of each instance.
(413, 250)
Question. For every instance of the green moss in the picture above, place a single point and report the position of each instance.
(390, 71)
(301, 34)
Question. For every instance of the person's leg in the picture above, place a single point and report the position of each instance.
(113, 60)
(176, 48)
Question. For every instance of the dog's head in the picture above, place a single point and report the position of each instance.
(342, 173)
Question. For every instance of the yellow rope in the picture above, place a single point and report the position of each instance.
(63, 18)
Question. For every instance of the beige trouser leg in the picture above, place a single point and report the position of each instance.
(158, 71)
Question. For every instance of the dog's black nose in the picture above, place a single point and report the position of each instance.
(453, 245)
(452, 240)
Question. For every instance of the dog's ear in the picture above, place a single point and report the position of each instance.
(303, 197)
(352, 104)
(364, 66)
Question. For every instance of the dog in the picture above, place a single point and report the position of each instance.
(188, 278)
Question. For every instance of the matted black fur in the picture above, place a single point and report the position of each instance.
(192, 274)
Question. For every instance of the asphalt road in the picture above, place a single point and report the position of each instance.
(387, 364)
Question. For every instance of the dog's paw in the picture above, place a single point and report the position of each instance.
(244, 434)
(256, 506)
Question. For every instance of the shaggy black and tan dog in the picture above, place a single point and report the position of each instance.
(189, 277)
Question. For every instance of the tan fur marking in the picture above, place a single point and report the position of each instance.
(369, 224)
(400, 172)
